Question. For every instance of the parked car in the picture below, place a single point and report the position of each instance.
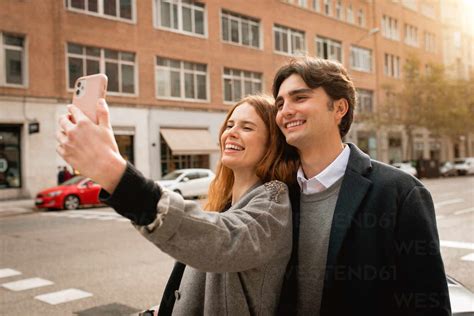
(188, 182)
(447, 169)
(73, 193)
(462, 300)
(464, 165)
(406, 167)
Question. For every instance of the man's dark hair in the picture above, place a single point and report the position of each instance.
(330, 75)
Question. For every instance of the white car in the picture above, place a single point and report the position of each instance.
(462, 300)
(188, 182)
(406, 167)
(464, 165)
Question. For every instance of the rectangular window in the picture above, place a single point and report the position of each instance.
(12, 63)
(316, 6)
(410, 4)
(117, 9)
(10, 156)
(288, 41)
(361, 59)
(411, 35)
(119, 66)
(339, 10)
(240, 30)
(361, 18)
(329, 49)
(183, 16)
(177, 79)
(365, 101)
(350, 14)
(430, 42)
(392, 65)
(240, 83)
(390, 28)
(302, 3)
(328, 7)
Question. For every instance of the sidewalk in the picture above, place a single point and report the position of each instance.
(15, 207)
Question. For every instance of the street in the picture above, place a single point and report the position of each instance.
(93, 262)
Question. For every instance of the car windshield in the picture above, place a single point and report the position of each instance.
(172, 176)
(73, 180)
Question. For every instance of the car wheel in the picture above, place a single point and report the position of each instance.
(178, 191)
(71, 202)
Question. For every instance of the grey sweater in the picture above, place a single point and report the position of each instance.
(236, 259)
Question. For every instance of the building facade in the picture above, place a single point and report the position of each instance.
(176, 66)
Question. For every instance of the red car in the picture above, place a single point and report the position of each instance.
(70, 195)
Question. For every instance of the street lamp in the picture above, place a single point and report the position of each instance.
(369, 33)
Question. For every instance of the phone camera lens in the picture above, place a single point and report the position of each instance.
(78, 91)
(79, 84)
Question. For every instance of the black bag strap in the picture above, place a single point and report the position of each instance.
(168, 299)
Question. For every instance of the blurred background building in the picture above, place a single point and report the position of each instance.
(176, 66)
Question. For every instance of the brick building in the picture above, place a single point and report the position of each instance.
(175, 67)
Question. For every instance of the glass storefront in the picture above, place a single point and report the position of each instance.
(10, 156)
(125, 145)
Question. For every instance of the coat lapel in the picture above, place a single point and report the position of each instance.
(354, 187)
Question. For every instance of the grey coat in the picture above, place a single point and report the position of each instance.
(235, 260)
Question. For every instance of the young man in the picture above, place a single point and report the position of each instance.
(365, 237)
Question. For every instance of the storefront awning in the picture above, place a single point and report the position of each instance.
(189, 141)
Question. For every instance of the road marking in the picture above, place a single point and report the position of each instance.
(26, 284)
(448, 202)
(457, 244)
(438, 217)
(469, 257)
(63, 296)
(464, 211)
(4, 273)
(103, 216)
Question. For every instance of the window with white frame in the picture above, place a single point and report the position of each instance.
(430, 42)
(288, 41)
(329, 49)
(365, 101)
(185, 16)
(361, 59)
(361, 18)
(301, 3)
(392, 65)
(390, 28)
(13, 61)
(119, 66)
(240, 30)
(339, 10)
(316, 6)
(176, 79)
(350, 14)
(327, 7)
(240, 83)
(410, 4)
(411, 35)
(119, 9)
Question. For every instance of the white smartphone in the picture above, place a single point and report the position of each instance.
(87, 91)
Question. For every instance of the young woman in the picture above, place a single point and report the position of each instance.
(236, 250)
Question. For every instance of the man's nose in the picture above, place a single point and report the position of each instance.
(287, 109)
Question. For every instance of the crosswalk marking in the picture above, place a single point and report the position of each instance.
(63, 296)
(457, 244)
(4, 273)
(469, 257)
(448, 202)
(26, 284)
(102, 216)
(464, 211)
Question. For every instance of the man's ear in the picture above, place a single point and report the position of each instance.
(341, 107)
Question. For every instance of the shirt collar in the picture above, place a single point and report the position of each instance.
(327, 177)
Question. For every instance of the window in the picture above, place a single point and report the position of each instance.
(12, 60)
(339, 10)
(185, 16)
(301, 3)
(350, 14)
(119, 66)
(10, 156)
(361, 59)
(316, 6)
(411, 35)
(170, 162)
(390, 28)
(327, 7)
(329, 49)
(392, 65)
(239, 83)
(177, 79)
(430, 42)
(365, 101)
(410, 4)
(119, 9)
(240, 30)
(288, 41)
(125, 146)
(361, 18)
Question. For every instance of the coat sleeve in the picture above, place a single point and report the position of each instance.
(421, 287)
(251, 233)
